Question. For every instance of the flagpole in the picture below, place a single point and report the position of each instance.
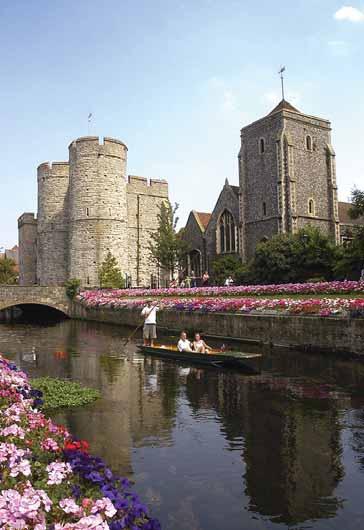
(89, 123)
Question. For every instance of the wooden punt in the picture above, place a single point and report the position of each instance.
(248, 362)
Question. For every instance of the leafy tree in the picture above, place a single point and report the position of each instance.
(8, 273)
(167, 247)
(350, 259)
(110, 275)
(307, 255)
(229, 265)
(357, 200)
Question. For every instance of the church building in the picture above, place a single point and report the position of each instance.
(287, 180)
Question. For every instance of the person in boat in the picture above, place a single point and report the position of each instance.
(199, 345)
(184, 344)
(149, 312)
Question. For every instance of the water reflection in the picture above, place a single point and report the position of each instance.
(209, 448)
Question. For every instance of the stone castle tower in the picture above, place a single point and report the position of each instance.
(287, 177)
(87, 207)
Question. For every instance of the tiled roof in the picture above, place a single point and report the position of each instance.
(344, 216)
(284, 105)
(203, 219)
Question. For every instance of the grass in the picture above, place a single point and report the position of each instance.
(58, 393)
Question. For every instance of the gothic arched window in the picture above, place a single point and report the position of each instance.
(227, 233)
(264, 209)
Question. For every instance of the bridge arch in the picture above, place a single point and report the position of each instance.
(52, 297)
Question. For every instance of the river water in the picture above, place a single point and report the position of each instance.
(213, 449)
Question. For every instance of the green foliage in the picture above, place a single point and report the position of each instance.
(8, 274)
(306, 255)
(110, 275)
(229, 265)
(167, 247)
(350, 258)
(357, 200)
(58, 393)
(72, 287)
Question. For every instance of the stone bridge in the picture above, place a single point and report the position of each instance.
(12, 295)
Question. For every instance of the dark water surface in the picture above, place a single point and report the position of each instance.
(212, 449)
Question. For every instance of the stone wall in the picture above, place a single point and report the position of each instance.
(27, 226)
(49, 296)
(52, 237)
(97, 207)
(309, 333)
(143, 202)
(280, 173)
(228, 200)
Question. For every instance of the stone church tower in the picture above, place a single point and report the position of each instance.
(87, 207)
(287, 177)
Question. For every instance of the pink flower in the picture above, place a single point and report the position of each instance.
(105, 506)
(49, 445)
(68, 505)
(57, 472)
(13, 430)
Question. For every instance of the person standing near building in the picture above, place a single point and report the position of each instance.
(149, 312)
(205, 279)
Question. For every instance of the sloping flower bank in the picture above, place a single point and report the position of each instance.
(49, 481)
(318, 306)
(344, 287)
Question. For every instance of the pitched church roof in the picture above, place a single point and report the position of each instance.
(235, 189)
(284, 105)
(203, 219)
(344, 216)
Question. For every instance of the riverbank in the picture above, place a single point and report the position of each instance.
(322, 334)
(49, 479)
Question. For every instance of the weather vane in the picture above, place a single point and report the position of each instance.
(283, 69)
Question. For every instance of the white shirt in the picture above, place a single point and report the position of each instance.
(184, 345)
(150, 314)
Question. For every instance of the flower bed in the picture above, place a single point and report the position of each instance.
(318, 306)
(336, 287)
(49, 481)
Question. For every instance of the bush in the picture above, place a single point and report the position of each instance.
(228, 265)
(58, 393)
(72, 287)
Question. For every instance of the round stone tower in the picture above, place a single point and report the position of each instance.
(52, 237)
(97, 207)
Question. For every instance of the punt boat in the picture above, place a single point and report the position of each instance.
(245, 361)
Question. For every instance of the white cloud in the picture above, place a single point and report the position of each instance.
(352, 14)
(339, 48)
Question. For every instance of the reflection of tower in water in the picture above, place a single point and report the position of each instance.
(292, 449)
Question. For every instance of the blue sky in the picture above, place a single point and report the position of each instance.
(175, 80)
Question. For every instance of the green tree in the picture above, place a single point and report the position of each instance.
(166, 246)
(110, 275)
(8, 273)
(350, 259)
(309, 254)
(229, 265)
(357, 200)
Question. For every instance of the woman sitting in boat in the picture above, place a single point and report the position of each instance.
(183, 343)
(199, 345)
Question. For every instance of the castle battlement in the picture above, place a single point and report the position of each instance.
(93, 145)
(154, 187)
(27, 218)
(86, 207)
(53, 170)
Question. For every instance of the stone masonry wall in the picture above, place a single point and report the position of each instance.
(310, 171)
(143, 201)
(97, 207)
(27, 226)
(227, 200)
(52, 241)
(258, 173)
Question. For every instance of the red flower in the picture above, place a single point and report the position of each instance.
(79, 445)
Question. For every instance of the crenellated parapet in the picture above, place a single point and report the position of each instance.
(152, 187)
